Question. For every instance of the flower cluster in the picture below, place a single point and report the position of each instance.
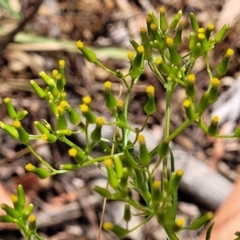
(128, 163)
(21, 214)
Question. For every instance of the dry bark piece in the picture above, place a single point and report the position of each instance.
(205, 185)
(227, 218)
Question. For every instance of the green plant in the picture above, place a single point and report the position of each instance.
(125, 169)
(20, 214)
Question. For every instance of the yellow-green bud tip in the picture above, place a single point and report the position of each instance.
(186, 103)
(148, 19)
(80, 45)
(17, 124)
(215, 119)
(130, 55)
(84, 108)
(14, 198)
(64, 104)
(142, 29)
(156, 184)
(61, 63)
(209, 215)
(162, 10)
(60, 109)
(191, 78)
(159, 60)
(141, 139)
(150, 89)
(153, 26)
(32, 218)
(215, 82)
(87, 99)
(100, 121)
(54, 73)
(210, 26)
(179, 172)
(44, 137)
(29, 167)
(119, 139)
(63, 94)
(107, 226)
(179, 222)
(200, 30)
(119, 103)
(169, 41)
(181, 23)
(59, 76)
(72, 152)
(140, 49)
(108, 162)
(229, 53)
(107, 85)
(200, 36)
(7, 100)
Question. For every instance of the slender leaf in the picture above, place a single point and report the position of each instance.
(209, 230)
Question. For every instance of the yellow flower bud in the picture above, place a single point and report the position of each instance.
(178, 225)
(169, 41)
(112, 178)
(187, 104)
(130, 55)
(32, 223)
(213, 128)
(229, 53)
(61, 63)
(150, 106)
(23, 135)
(156, 194)
(87, 53)
(72, 152)
(87, 100)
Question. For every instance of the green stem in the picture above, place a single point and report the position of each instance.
(156, 165)
(136, 205)
(105, 68)
(140, 224)
(124, 81)
(141, 183)
(86, 138)
(175, 192)
(23, 229)
(40, 158)
(37, 236)
(69, 143)
(225, 136)
(144, 124)
(202, 125)
(172, 136)
(99, 159)
(126, 101)
(167, 125)
(157, 73)
(170, 233)
(190, 64)
(34, 137)
(27, 233)
(208, 66)
(181, 128)
(125, 112)
(168, 110)
(180, 82)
